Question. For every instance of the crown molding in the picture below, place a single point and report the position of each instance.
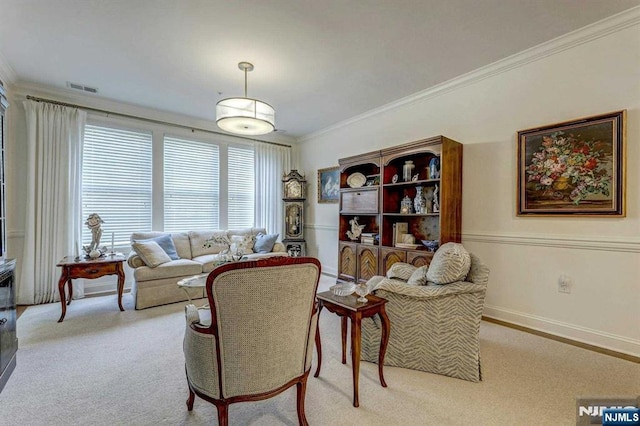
(602, 28)
(7, 74)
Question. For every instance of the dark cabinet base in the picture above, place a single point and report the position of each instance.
(8, 338)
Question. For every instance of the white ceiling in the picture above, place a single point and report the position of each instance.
(318, 62)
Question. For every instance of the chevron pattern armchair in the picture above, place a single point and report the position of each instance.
(434, 328)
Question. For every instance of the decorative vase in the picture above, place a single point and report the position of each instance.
(419, 203)
(405, 205)
(407, 170)
(434, 168)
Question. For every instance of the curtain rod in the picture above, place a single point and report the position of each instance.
(150, 120)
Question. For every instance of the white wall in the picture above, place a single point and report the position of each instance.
(17, 155)
(592, 71)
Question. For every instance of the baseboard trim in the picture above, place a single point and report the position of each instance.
(571, 342)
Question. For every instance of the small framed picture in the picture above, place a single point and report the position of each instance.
(329, 185)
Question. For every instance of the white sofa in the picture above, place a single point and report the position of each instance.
(158, 286)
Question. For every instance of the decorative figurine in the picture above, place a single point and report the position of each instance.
(436, 204)
(94, 223)
(356, 229)
(394, 179)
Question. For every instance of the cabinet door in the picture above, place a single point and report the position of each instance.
(419, 258)
(347, 267)
(367, 262)
(389, 256)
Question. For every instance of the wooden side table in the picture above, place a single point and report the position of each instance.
(348, 307)
(73, 268)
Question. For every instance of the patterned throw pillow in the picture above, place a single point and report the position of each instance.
(242, 243)
(151, 253)
(419, 277)
(401, 271)
(450, 263)
(166, 243)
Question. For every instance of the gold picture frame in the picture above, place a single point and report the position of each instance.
(573, 168)
(329, 185)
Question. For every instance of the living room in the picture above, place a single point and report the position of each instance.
(581, 63)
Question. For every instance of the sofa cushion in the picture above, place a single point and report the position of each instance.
(174, 268)
(208, 262)
(151, 253)
(401, 271)
(180, 240)
(197, 240)
(419, 276)
(450, 263)
(242, 243)
(166, 243)
(264, 243)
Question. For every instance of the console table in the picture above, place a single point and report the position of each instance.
(73, 268)
(348, 307)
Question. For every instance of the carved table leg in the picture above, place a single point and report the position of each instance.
(355, 355)
(120, 272)
(344, 339)
(61, 282)
(384, 340)
(70, 285)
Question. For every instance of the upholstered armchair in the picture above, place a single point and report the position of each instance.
(259, 340)
(434, 327)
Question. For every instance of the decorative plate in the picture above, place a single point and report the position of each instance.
(356, 180)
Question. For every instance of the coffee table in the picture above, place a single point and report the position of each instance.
(196, 281)
(348, 307)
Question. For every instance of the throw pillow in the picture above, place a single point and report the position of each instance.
(166, 243)
(401, 271)
(243, 243)
(151, 252)
(419, 277)
(450, 263)
(265, 242)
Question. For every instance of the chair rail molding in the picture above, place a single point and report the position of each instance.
(569, 331)
(331, 228)
(15, 234)
(615, 244)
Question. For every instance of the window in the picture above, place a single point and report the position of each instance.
(116, 182)
(191, 185)
(241, 188)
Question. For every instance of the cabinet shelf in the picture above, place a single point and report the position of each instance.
(412, 182)
(378, 205)
(411, 214)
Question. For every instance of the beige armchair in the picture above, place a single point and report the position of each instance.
(434, 328)
(260, 338)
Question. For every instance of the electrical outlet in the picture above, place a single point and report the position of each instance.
(564, 284)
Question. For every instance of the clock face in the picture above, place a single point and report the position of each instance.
(293, 189)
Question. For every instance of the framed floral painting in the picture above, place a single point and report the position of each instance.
(573, 168)
(328, 185)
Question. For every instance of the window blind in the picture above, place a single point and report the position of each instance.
(116, 182)
(241, 187)
(191, 185)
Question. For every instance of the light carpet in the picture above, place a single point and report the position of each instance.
(106, 367)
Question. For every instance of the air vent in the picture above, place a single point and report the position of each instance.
(78, 86)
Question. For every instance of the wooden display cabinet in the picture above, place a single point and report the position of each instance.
(377, 204)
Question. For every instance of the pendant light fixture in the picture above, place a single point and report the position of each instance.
(245, 116)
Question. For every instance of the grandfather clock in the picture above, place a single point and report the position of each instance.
(294, 190)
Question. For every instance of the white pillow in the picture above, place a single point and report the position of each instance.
(151, 253)
(243, 243)
(450, 263)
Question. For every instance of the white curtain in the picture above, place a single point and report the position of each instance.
(272, 162)
(54, 193)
